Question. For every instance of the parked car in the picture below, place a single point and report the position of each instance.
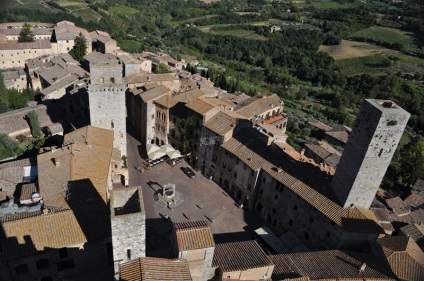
(189, 172)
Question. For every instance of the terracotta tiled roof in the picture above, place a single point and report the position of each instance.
(66, 30)
(15, 121)
(149, 78)
(340, 133)
(381, 214)
(38, 233)
(37, 44)
(193, 235)
(398, 206)
(329, 265)
(307, 184)
(155, 93)
(223, 122)
(319, 125)
(404, 256)
(200, 106)
(155, 269)
(27, 190)
(258, 105)
(416, 232)
(237, 256)
(184, 97)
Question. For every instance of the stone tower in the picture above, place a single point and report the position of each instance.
(106, 94)
(128, 219)
(372, 143)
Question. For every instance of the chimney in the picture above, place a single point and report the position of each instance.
(57, 162)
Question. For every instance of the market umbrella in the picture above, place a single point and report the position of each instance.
(174, 154)
(167, 148)
(152, 148)
(156, 155)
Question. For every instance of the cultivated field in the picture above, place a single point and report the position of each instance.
(350, 49)
(123, 10)
(384, 34)
(355, 57)
(79, 8)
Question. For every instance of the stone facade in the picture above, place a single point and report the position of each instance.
(284, 210)
(128, 225)
(58, 264)
(106, 94)
(15, 56)
(200, 262)
(372, 143)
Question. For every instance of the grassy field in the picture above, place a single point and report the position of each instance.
(248, 34)
(329, 4)
(79, 8)
(123, 10)
(384, 34)
(350, 49)
(355, 57)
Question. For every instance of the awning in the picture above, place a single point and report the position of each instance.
(174, 154)
(150, 148)
(167, 148)
(156, 155)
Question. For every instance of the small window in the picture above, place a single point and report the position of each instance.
(328, 234)
(21, 269)
(311, 220)
(290, 222)
(381, 152)
(129, 254)
(42, 264)
(66, 264)
(63, 253)
(275, 197)
(314, 209)
(295, 207)
(112, 124)
(252, 172)
(112, 80)
(263, 179)
(274, 211)
(333, 223)
(235, 175)
(306, 236)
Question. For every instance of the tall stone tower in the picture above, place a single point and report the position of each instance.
(372, 143)
(106, 94)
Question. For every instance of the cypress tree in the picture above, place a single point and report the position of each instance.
(26, 35)
(80, 48)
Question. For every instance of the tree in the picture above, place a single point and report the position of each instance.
(412, 163)
(80, 48)
(26, 35)
(8, 147)
(4, 104)
(34, 124)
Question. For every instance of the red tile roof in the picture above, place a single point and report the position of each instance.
(193, 235)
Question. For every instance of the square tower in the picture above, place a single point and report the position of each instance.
(106, 94)
(368, 152)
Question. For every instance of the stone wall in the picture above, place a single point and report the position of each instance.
(107, 101)
(128, 225)
(83, 257)
(372, 143)
(17, 57)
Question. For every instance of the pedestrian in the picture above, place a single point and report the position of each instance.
(241, 206)
(138, 168)
(213, 219)
(172, 209)
(142, 170)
